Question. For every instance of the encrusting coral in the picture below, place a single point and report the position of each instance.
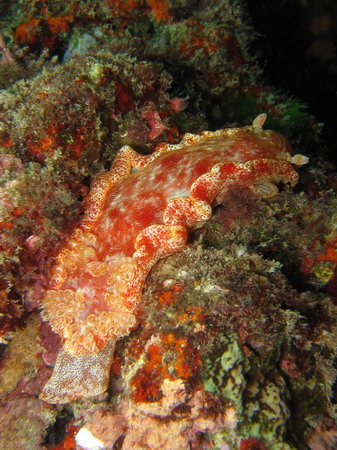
(136, 213)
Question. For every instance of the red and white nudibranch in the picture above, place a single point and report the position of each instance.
(136, 213)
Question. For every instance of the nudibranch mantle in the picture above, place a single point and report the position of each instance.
(136, 213)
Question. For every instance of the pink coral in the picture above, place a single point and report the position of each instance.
(161, 425)
(153, 120)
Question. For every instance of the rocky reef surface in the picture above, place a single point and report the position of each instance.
(236, 342)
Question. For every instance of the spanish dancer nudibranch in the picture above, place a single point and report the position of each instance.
(136, 213)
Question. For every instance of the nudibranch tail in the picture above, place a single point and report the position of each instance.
(79, 376)
(136, 213)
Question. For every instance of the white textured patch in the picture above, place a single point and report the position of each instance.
(86, 441)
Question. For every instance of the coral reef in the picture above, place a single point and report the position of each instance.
(24, 420)
(22, 356)
(163, 426)
(232, 342)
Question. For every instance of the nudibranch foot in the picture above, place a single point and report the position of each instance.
(136, 213)
(79, 376)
